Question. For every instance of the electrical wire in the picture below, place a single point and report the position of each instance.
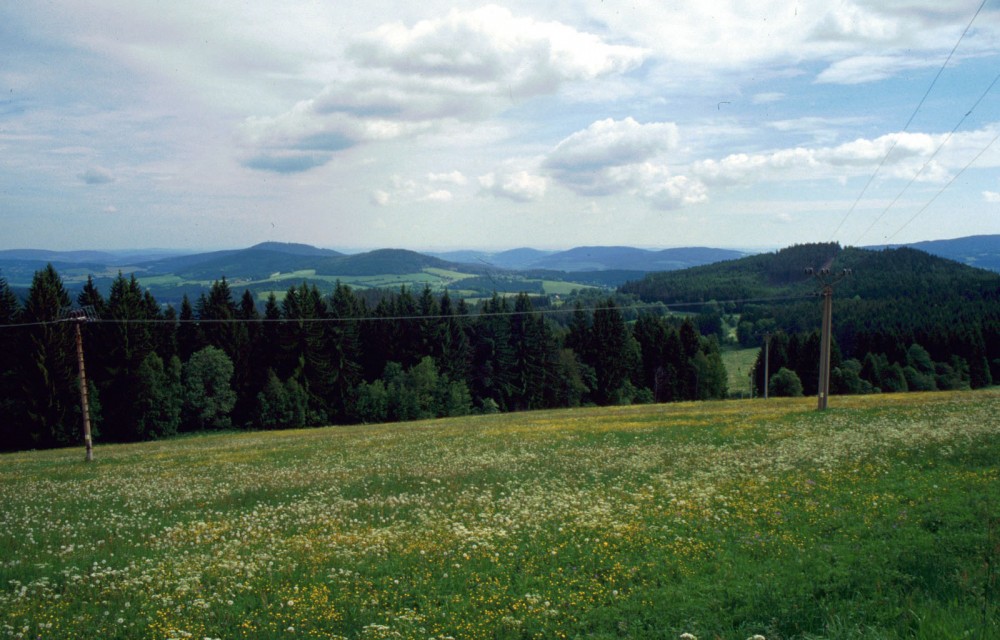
(908, 122)
(928, 162)
(931, 201)
(358, 320)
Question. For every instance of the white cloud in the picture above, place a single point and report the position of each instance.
(514, 184)
(453, 177)
(585, 160)
(992, 197)
(623, 156)
(612, 142)
(380, 198)
(871, 68)
(438, 195)
(904, 154)
(490, 48)
(464, 67)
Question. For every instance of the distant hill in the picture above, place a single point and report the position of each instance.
(885, 273)
(254, 263)
(381, 261)
(589, 259)
(68, 257)
(519, 259)
(632, 259)
(976, 251)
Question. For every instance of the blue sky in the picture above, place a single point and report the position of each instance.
(201, 124)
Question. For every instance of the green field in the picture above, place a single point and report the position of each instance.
(739, 363)
(879, 518)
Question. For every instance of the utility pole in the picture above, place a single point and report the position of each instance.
(78, 317)
(827, 280)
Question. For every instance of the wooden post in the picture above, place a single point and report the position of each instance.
(84, 405)
(824, 349)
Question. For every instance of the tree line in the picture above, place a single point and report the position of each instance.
(311, 359)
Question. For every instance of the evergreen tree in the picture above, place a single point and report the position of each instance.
(47, 369)
(455, 350)
(712, 379)
(129, 341)
(216, 315)
(304, 348)
(160, 398)
(187, 331)
(615, 353)
(208, 394)
(268, 348)
(573, 380)
(493, 354)
(687, 370)
(530, 349)
(344, 348)
(650, 333)
(248, 378)
(14, 429)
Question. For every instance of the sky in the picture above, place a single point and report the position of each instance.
(211, 124)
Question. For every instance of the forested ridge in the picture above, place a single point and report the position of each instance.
(902, 320)
(220, 362)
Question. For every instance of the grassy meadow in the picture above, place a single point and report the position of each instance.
(739, 364)
(879, 518)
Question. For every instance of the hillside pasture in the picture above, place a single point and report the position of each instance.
(739, 363)
(879, 518)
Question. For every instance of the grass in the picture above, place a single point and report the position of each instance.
(875, 519)
(739, 363)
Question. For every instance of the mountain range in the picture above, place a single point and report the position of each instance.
(269, 257)
(273, 266)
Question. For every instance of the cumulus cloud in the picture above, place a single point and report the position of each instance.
(489, 48)
(588, 160)
(438, 195)
(380, 198)
(612, 142)
(905, 154)
(992, 197)
(96, 175)
(514, 184)
(452, 177)
(656, 184)
(465, 67)
(624, 156)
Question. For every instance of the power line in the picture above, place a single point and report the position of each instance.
(909, 121)
(354, 319)
(929, 160)
(931, 201)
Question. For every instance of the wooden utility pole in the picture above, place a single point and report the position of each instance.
(78, 317)
(824, 347)
(827, 282)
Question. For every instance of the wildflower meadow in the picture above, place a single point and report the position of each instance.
(879, 518)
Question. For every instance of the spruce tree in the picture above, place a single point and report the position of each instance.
(129, 340)
(47, 370)
(14, 433)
